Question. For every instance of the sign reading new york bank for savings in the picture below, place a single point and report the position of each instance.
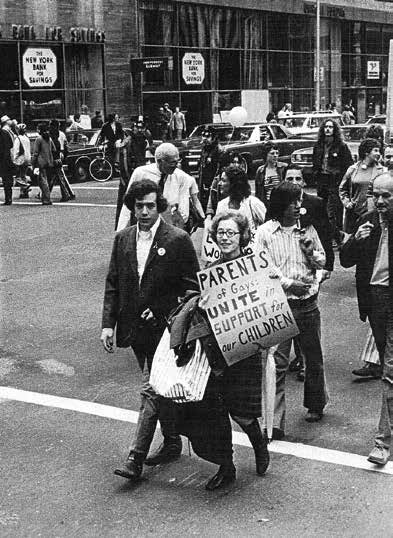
(39, 67)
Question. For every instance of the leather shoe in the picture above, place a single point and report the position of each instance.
(166, 453)
(369, 370)
(277, 434)
(262, 458)
(313, 416)
(379, 455)
(132, 468)
(225, 475)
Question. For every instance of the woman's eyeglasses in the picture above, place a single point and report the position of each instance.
(228, 233)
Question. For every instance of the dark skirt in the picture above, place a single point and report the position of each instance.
(242, 387)
(207, 425)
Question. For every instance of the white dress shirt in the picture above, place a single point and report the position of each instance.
(283, 247)
(176, 190)
(144, 242)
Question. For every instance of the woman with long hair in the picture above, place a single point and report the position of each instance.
(235, 183)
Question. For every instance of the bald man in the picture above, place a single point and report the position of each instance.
(177, 186)
(370, 248)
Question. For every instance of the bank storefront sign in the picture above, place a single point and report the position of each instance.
(39, 67)
(193, 68)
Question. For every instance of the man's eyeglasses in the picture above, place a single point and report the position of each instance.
(228, 233)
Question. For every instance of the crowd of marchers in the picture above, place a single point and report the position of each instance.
(152, 286)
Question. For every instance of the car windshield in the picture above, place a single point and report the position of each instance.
(225, 133)
(354, 133)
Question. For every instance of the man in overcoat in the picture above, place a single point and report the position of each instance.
(152, 264)
(370, 248)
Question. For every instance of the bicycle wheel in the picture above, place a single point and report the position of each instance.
(100, 169)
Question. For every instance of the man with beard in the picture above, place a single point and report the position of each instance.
(370, 248)
(331, 159)
(208, 164)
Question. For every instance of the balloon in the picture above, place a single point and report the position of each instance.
(237, 116)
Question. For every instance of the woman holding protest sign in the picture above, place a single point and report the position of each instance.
(239, 385)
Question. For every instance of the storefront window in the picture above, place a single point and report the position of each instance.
(302, 69)
(228, 70)
(301, 33)
(41, 106)
(9, 79)
(254, 70)
(387, 35)
(194, 25)
(10, 104)
(279, 69)
(254, 26)
(277, 31)
(373, 38)
(42, 66)
(159, 23)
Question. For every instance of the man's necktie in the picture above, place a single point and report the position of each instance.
(162, 182)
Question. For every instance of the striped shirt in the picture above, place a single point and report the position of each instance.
(283, 247)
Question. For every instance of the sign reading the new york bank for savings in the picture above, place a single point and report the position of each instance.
(246, 307)
(39, 67)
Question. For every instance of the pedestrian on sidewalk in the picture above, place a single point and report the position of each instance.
(59, 140)
(152, 264)
(370, 249)
(7, 167)
(21, 152)
(44, 149)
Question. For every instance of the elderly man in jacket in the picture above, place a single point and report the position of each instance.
(173, 182)
(152, 264)
(370, 248)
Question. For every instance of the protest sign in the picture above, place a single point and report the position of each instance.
(247, 309)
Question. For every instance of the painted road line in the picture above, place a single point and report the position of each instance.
(65, 204)
(299, 450)
(86, 188)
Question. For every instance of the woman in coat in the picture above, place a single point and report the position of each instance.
(232, 390)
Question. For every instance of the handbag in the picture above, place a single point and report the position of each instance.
(19, 158)
(180, 384)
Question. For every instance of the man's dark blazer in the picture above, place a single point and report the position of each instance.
(316, 215)
(362, 254)
(170, 270)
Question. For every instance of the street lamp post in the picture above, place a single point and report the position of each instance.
(318, 58)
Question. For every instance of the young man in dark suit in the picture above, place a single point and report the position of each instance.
(152, 264)
(313, 211)
(370, 248)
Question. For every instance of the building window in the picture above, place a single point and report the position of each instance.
(277, 31)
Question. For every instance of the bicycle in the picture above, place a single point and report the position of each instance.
(100, 168)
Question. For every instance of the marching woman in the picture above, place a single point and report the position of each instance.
(234, 181)
(231, 390)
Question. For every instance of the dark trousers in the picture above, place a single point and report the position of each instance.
(153, 407)
(59, 176)
(309, 338)
(8, 181)
(44, 180)
(327, 189)
(381, 321)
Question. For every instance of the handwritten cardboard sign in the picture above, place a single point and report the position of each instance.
(247, 309)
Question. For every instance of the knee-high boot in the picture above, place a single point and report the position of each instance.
(259, 444)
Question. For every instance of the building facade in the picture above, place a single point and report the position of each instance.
(203, 56)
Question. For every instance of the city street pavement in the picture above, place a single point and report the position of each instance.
(58, 455)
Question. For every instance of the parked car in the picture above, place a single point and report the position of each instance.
(381, 118)
(307, 124)
(353, 135)
(247, 141)
(84, 146)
